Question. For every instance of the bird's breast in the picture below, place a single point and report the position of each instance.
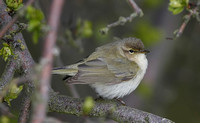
(125, 87)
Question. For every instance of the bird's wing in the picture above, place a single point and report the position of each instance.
(100, 70)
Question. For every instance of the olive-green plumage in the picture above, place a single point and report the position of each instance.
(110, 64)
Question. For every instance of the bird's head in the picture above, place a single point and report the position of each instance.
(131, 48)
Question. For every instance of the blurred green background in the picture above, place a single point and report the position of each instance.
(171, 86)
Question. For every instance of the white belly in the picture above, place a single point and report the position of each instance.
(123, 88)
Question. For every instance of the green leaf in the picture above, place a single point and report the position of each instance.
(14, 4)
(34, 25)
(84, 29)
(13, 93)
(40, 15)
(177, 6)
(29, 12)
(5, 45)
(35, 37)
(88, 105)
(4, 119)
(87, 29)
(177, 11)
(6, 51)
(35, 17)
(175, 3)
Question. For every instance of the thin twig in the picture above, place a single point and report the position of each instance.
(183, 25)
(9, 25)
(4, 30)
(40, 103)
(185, 22)
(122, 20)
(136, 7)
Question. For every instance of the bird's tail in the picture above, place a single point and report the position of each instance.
(66, 70)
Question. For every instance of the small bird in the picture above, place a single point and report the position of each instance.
(113, 70)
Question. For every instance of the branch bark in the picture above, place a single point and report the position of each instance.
(25, 110)
(23, 59)
(117, 112)
(8, 74)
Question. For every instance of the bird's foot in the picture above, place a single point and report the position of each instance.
(99, 98)
(120, 101)
(115, 99)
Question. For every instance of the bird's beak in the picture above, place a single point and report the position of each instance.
(144, 51)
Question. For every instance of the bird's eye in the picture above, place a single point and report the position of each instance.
(131, 51)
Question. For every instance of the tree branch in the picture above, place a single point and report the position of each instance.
(22, 59)
(8, 74)
(10, 24)
(119, 113)
(25, 110)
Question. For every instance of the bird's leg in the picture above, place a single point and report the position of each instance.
(99, 98)
(120, 101)
(116, 99)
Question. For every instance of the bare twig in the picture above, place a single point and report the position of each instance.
(187, 18)
(40, 104)
(9, 25)
(182, 27)
(123, 20)
(136, 7)
(4, 30)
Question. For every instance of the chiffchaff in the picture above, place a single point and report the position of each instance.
(113, 70)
